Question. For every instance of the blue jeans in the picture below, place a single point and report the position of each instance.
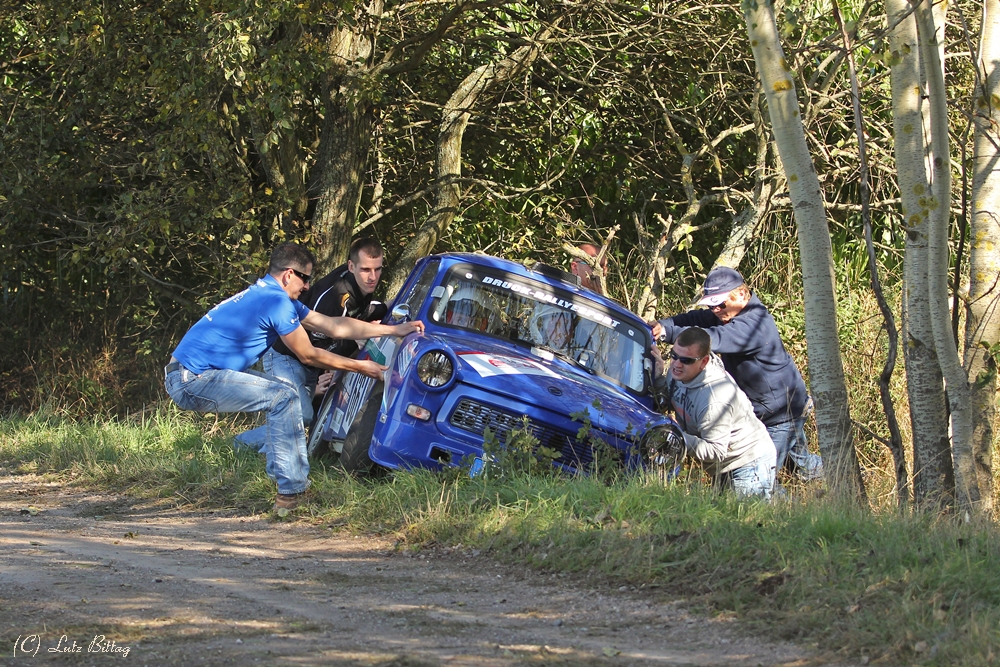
(235, 391)
(303, 378)
(754, 479)
(790, 443)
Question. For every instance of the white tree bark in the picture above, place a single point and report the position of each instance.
(826, 371)
(931, 33)
(933, 477)
(982, 322)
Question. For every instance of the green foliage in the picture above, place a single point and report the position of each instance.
(517, 455)
(606, 464)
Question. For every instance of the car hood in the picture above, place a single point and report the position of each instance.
(505, 369)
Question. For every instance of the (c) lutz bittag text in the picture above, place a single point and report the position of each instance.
(30, 645)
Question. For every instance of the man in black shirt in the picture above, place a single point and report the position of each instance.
(344, 292)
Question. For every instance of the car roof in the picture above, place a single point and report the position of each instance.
(452, 258)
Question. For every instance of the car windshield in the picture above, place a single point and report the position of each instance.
(552, 321)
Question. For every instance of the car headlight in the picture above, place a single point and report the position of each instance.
(663, 446)
(435, 369)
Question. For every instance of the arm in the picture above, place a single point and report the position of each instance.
(669, 328)
(742, 335)
(298, 342)
(349, 328)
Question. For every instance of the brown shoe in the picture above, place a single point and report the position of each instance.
(288, 501)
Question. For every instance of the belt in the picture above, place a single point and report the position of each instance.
(171, 367)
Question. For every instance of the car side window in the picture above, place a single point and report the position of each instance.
(414, 299)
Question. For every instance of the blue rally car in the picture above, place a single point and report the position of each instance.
(502, 343)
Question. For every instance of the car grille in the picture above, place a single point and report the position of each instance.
(476, 417)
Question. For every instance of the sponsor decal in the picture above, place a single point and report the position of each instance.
(356, 388)
(380, 349)
(582, 310)
(337, 421)
(488, 365)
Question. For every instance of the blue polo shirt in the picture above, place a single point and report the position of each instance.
(235, 333)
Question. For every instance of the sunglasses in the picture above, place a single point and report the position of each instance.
(717, 307)
(687, 361)
(304, 277)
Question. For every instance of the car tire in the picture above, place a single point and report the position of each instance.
(354, 457)
(317, 446)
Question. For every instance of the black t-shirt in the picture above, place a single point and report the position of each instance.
(337, 295)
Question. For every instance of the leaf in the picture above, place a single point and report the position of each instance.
(610, 651)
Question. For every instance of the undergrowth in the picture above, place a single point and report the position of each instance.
(858, 582)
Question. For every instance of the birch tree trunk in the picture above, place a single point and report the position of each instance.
(982, 323)
(938, 204)
(933, 476)
(826, 371)
(454, 119)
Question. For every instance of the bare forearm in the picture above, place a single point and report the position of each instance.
(320, 358)
(343, 327)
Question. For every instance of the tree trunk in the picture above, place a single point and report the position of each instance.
(888, 321)
(826, 371)
(933, 476)
(454, 120)
(982, 324)
(345, 142)
(930, 32)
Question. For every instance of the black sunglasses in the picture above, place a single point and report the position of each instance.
(304, 277)
(687, 361)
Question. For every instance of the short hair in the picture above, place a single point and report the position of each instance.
(290, 256)
(695, 336)
(370, 246)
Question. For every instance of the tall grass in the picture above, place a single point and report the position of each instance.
(897, 588)
(166, 454)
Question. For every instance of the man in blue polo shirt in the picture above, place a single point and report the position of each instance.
(208, 369)
(744, 335)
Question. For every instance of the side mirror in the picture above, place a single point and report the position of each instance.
(401, 313)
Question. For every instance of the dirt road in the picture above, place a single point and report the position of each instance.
(98, 580)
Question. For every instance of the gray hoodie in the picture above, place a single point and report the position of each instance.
(720, 428)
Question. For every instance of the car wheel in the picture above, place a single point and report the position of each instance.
(317, 446)
(354, 456)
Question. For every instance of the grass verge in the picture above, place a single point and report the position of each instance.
(870, 584)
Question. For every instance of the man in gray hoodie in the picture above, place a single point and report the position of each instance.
(720, 428)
